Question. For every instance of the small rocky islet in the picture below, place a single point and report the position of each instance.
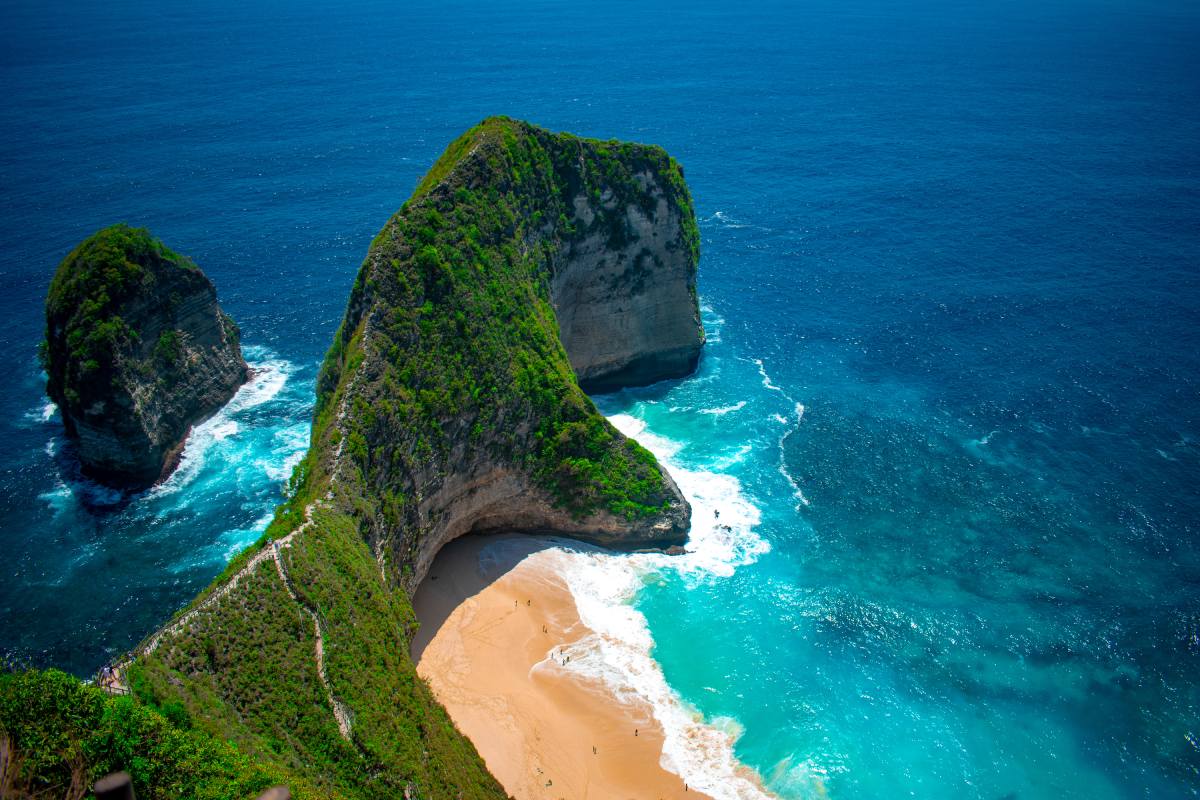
(526, 265)
(137, 351)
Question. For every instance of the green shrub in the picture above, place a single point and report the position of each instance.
(64, 735)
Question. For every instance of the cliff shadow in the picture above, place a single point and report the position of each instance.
(623, 400)
(95, 498)
(466, 566)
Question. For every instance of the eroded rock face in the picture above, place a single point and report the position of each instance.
(627, 311)
(137, 351)
(497, 500)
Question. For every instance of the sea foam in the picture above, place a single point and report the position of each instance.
(721, 411)
(269, 376)
(714, 323)
(43, 413)
(798, 414)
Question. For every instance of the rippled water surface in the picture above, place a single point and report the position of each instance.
(950, 396)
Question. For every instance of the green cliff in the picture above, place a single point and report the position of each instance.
(137, 350)
(448, 404)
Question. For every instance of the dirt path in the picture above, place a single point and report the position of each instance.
(341, 712)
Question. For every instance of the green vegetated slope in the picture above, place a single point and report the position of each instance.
(448, 359)
(464, 361)
(57, 736)
(245, 671)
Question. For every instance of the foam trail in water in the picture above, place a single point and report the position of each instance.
(723, 410)
(713, 323)
(42, 414)
(726, 461)
(724, 220)
(291, 443)
(617, 652)
(798, 411)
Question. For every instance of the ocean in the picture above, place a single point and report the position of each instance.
(948, 409)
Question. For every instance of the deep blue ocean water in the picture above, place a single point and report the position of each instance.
(951, 273)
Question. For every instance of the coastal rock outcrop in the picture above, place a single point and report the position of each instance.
(137, 350)
(524, 264)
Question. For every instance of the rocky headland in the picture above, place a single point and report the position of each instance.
(137, 350)
(525, 264)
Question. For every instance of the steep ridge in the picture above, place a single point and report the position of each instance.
(137, 350)
(448, 404)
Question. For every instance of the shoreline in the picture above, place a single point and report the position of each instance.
(498, 629)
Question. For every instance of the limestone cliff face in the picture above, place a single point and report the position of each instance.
(137, 351)
(626, 308)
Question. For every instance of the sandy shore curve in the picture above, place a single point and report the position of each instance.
(494, 645)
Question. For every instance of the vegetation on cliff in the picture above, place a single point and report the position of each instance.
(246, 672)
(446, 372)
(85, 334)
(465, 344)
(58, 736)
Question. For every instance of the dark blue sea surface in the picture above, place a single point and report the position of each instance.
(951, 274)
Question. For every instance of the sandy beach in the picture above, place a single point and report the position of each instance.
(495, 645)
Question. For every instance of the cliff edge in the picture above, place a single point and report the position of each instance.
(137, 350)
(525, 263)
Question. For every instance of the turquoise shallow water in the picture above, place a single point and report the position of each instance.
(962, 238)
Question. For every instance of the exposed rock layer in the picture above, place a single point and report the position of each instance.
(137, 351)
(627, 312)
